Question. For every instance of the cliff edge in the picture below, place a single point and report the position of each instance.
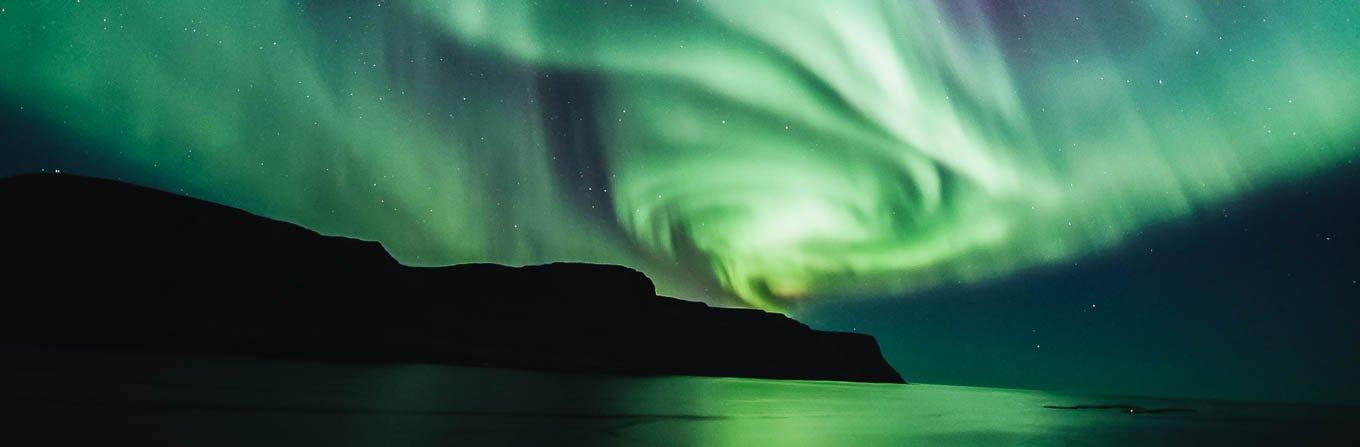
(102, 264)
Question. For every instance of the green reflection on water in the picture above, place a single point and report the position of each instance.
(254, 402)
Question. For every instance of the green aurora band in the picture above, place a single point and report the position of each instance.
(768, 150)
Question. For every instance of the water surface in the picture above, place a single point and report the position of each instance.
(84, 398)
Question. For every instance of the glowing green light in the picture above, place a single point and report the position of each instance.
(794, 148)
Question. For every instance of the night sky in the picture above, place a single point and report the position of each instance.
(1252, 299)
(1149, 197)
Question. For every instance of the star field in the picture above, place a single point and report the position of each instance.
(793, 155)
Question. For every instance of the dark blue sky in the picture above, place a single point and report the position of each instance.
(1256, 300)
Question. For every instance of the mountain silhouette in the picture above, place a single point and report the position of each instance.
(99, 264)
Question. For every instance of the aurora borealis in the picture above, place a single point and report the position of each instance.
(771, 151)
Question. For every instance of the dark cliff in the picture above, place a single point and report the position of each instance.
(101, 264)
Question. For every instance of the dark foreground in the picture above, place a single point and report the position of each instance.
(101, 264)
(72, 398)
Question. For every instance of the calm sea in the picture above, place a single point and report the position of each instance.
(70, 398)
